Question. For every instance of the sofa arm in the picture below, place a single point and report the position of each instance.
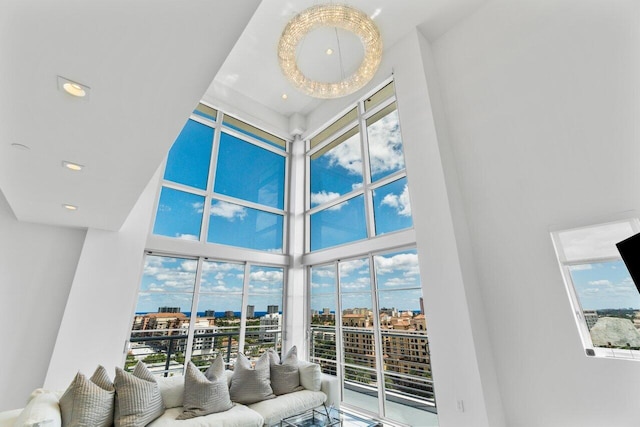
(331, 387)
(8, 418)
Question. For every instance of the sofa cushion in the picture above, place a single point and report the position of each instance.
(172, 390)
(310, 375)
(287, 405)
(285, 377)
(138, 398)
(249, 385)
(88, 402)
(237, 416)
(205, 393)
(42, 409)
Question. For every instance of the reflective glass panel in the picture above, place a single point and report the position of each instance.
(339, 224)
(162, 315)
(179, 214)
(398, 270)
(385, 143)
(392, 207)
(190, 155)
(610, 303)
(336, 169)
(254, 132)
(251, 173)
(597, 241)
(206, 112)
(264, 310)
(235, 225)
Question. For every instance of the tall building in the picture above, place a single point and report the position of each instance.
(590, 317)
(271, 309)
(168, 309)
(251, 311)
(209, 313)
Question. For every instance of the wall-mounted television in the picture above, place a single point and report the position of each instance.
(630, 252)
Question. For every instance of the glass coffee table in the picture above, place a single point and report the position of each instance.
(327, 417)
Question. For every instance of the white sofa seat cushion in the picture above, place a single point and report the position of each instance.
(238, 416)
(43, 408)
(286, 405)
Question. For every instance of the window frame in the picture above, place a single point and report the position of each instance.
(574, 301)
(368, 187)
(218, 126)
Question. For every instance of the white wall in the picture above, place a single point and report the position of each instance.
(99, 310)
(542, 100)
(461, 354)
(37, 264)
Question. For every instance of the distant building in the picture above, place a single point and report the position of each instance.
(271, 309)
(229, 314)
(209, 313)
(269, 324)
(251, 311)
(168, 309)
(591, 317)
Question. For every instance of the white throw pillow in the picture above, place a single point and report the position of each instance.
(250, 385)
(88, 402)
(138, 398)
(285, 376)
(42, 409)
(310, 375)
(206, 393)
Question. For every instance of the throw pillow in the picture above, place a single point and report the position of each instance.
(88, 402)
(138, 398)
(205, 393)
(285, 376)
(310, 375)
(250, 385)
(42, 409)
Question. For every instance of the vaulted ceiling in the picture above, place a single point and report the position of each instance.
(147, 63)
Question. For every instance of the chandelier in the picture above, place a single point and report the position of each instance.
(337, 16)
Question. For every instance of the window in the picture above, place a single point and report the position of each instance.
(205, 198)
(193, 309)
(358, 186)
(602, 294)
(223, 185)
(366, 315)
(381, 357)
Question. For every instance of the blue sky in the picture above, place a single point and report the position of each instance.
(599, 275)
(247, 172)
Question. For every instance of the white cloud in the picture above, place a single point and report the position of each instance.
(407, 263)
(323, 197)
(269, 276)
(198, 207)
(600, 283)
(348, 267)
(347, 155)
(385, 144)
(581, 267)
(191, 237)
(400, 203)
(228, 210)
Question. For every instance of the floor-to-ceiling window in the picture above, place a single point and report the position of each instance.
(213, 280)
(366, 308)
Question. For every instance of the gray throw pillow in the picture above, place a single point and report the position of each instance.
(88, 402)
(285, 376)
(251, 385)
(138, 398)
(206, 393)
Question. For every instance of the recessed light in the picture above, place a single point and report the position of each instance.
(73, 88)
(285, 96)
(20, 146)
(70, 207)
(329, 51)
(72, 166)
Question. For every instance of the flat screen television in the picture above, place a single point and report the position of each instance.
(630, 252)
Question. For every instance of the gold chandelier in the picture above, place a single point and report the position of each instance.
(338, 16)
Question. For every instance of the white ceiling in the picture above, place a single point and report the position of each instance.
(147, 62)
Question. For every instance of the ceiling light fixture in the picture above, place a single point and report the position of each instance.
(337, 16)
(285, 96)
(329, 51)
(72, 166)
(70, 207)
(73, 88)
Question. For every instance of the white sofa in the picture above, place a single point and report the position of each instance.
(42, 410)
